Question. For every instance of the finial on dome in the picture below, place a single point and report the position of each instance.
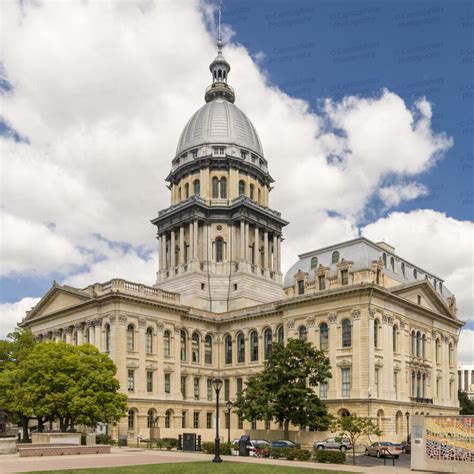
(220, 69)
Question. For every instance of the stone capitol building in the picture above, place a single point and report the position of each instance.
(389, 327)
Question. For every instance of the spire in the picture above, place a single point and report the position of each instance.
(220, 69)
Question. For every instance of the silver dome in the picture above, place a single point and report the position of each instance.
(219, 122)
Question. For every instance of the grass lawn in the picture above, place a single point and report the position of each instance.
(197, 467)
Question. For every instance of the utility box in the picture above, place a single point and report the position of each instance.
(244, 445)
(189, 441)
(122, 441)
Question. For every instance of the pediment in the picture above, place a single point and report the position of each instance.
(56, 299)
(430, 299)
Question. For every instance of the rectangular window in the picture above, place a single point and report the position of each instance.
(254, 424)
(301, 287)
(437, 387)
(395, 384)
(240, 423)
(196, 388)
(196, 419)
(243, 154)
(240, 384)
(209, 420)
(267, 425)
(131, 380)
(345, 277)
(376, 381)
(194, 153)
(209, 390)
(218, 151)
(149, 381)
(167, 383)
(226, 389)
(450, 389)
(346, 382)
(184, 419)
(322, 282)
(183, 386)
(323, 390)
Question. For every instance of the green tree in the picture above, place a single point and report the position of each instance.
(353, 427)
(466, 405)
(64, 382)
(283, 390)
(16, 346)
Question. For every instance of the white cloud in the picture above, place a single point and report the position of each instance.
(102, 92)
(13, 313)
(393, 195)
(465, 347)
(437, 243)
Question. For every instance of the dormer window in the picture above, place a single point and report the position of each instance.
(392, 263)
(314, 262)
(194, 153)
(403, 268)
(254, 158)
(384, 258)
(243, 154)
(322, 282)
(301, 287)
(415, 274)
(440, 287)
(335, 257)
(218, 151)
(345, 277)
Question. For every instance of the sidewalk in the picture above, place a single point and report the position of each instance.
(132, 456)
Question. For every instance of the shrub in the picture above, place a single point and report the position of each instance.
(333, 457)
(104, 439)
(169, 443)
(278, 453)
(209, 447)
(302, 454)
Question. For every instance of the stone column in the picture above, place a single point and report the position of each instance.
(57, 335)
(164, 263)
(256, 252)
(274, 266)
(176, 376)
(191, 242)
(69, 335)
(278, 269)
(242, 240)
(247, 241)
(209, 244)
(335, 389)
(196, 241)
(80, 333)
(265, 250)
(182, 250)
(172, 250)
(159, 351)
(98, 333)
(90, 328)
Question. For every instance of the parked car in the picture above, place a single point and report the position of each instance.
(254, 446)
(342, 444)
(406, 447)
(383, 448)
(284, 443)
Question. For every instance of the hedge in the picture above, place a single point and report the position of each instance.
(104, 439)
(290, 454)
(209, 448)
(333, 457)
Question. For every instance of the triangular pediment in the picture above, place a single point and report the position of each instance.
(423, 294)
(56, 299)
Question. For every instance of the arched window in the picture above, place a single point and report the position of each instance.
(384, 258)
(398, 422)
(437, 350)
(413, 343)
(168, 416)
(267, 343)
(415, 274)
(395, 338)
(215, 187)
(87, 335)
(413, 384)
(281, 334)
(179, 194)
(228, 349)
(223, 188)
(107, 337)
(314, 262)
(130, 338)
(253, 346)
(346, 333)
(450, 354)
(219, 250)
(186, 190)
(183, 344)
(343, 412)
(376, 333)
(418, 344)
(208, 349)
(324, 337)
(303, 333)
(335, 257)
(418, 385)
(252, 191)
(167, 344)
(423, 346)
(149, 340)
(241, 188)
(403, 268)
(240, 348)
(380, 415)
(151, 418)
(392, 263)
(259, 200)
(197, 187)
(131, 419)
(195, 343)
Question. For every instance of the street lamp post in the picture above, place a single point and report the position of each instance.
(217, 384)
(229, 406)
(408, 425)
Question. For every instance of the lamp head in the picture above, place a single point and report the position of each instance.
(229, 405)
(217, 384)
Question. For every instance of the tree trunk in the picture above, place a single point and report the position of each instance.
(40, 424)
(24, 424)
(353, 453)
(62, 424)
(286, 426)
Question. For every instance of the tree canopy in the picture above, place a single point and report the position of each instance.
(466, 405)
(283, 391)
(58, 381)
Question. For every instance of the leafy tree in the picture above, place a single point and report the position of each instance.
(16, 346)
(353, 427)
(466, 405)
(283, 390)
(60, 381)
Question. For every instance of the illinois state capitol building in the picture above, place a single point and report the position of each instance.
(389, 327)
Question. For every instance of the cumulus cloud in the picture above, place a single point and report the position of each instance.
(13, 313)
(101, 92)
(437, 243)
(393, 195)
(465, 347)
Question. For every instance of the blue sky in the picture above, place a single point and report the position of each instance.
(101, 112)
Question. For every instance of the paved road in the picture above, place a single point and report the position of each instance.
(363, 460)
